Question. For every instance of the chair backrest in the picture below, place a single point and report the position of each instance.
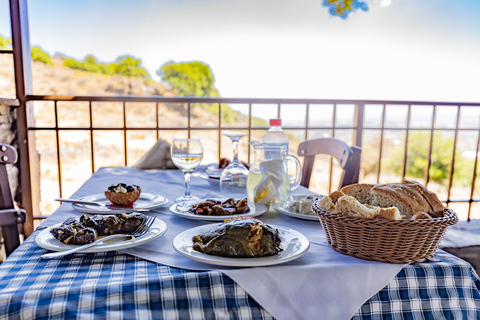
(10, 217)
(348, 157)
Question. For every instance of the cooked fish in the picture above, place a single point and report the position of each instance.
(239, 237)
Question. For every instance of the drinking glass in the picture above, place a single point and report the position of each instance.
(234, 177)
(187, 155)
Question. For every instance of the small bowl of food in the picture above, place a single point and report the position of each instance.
(121, 194)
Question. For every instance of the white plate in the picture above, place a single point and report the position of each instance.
(259, 209)
(214, 171)
(146, 201)
(294, 245)
(213, 182)
(280, 207)
(47, 241)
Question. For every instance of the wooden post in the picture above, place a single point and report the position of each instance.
(358, 124)
(29, 166)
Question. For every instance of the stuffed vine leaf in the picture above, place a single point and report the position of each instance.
(240, 238)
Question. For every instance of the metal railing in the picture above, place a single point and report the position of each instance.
(357, 126)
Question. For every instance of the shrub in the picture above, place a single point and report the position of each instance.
(5, 43)
(41, 56)
(125, 66)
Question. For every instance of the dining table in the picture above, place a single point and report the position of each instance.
(155, 279)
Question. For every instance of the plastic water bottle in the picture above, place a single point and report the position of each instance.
(275, 135)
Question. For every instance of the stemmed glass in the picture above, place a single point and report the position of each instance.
(234, 177)
(187, 155)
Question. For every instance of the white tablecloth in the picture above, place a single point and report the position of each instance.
(322, 284)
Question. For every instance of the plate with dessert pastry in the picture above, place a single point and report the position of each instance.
(119, 198)
(299, 206)
(241, 242)
(85, 229)
(217, 210)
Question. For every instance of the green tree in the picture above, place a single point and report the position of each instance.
(189, 78)
(41, 56)
(131, 67)
(441, 157)
(90, 64)
(5, 43)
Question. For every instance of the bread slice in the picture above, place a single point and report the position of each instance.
(352, 207)
(360, 191)
(326, 203)
(421, 215)
(335, 195)
(386, 196)
(437, 209)
(391, 213)
(414, 195)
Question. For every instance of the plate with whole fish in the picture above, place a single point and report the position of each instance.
(241, 242)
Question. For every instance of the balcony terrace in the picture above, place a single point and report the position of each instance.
(62, 140)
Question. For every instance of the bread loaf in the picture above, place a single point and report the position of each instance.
(408, 196)
(388, 196)
(360, 191)
(436, 207)
(412, 193)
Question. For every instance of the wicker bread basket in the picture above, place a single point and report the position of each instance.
(400, 241)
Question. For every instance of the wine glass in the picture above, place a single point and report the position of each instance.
(187, 155)
(234, 177)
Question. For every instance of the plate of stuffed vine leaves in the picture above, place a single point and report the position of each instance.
(241, 242)
(77, 231)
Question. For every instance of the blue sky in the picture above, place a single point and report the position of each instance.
(399, 49)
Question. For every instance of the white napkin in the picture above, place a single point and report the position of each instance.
(158, 157)
(269, 187)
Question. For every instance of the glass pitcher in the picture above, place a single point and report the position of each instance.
(268, 178)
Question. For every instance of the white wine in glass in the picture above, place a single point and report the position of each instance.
(187, 155)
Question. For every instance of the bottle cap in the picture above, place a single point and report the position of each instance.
(275, 122)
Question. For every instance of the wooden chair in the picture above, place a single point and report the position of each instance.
(348, 157)
(10, 217)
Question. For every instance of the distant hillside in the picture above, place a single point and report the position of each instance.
(60, 80)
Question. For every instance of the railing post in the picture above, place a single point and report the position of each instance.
(29, 166)
(358, 123)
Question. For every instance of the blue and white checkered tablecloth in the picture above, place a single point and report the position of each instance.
(112, 285)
